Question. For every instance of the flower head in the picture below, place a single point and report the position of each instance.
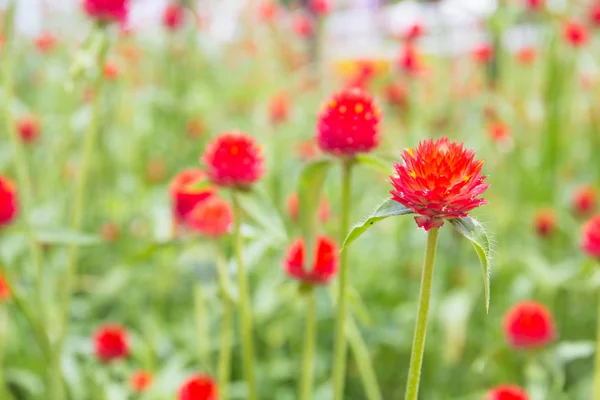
(4, 289)
(107, 10)
(544, 222)
(173, 17)
(279, 108)
(141, 381)
(410, 60)
(594, 14)
(483, 53)
(234, 159)
(575, 33)
(526, 55)
(507, 392)
(320, 7)
(584, 200)
(198, 387)
(591, 237)
(303, 26)
(267, 11)
(535, 5)
(324, 266)
(29, 128)
(212, 218)
(396, 94)
(195, 128)
(45, 42)
(9, 202)
(529, 325)
(499, 132)
(187, 189)
(111, 342)
(438, 180)
(111, 71)
(349, 123)
(414, 31)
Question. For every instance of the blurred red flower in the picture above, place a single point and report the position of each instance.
(141, 381)
(293, 208)
(107, 10)
(324, 266)
(45, 42)
(234, 159)
(499, 132)
(414, 31)
(545, 222)
(4, 289)
(29, 128)
(575, 34)
(279, 108)
(187, 189)
(526, 55)
(535, 5)
(584, 200)
(396, 94)
(9, 201)
(483, 53)
(111, 71)
(267, 11)
(438, 180)
(173, 17)
(307, 149)
(594, 14)
(303, 26)
(111, 342)
(409, 60)
(591, 237)
(198, 387)
(529, 325)
(507, 392)
(348, 123)
(320, 7)
(212, 218)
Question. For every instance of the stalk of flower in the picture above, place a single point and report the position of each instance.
(323, 269)
(235, 161)
(213, 219)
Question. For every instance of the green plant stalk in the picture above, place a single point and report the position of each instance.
(224, 367)
(339, 366)
(596, 389)
(203, 336)
(245, 311)
(308, 359)
(418, 347)
(363, 362)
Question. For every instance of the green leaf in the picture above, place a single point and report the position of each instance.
(376, 164)
(259, 208)
(63, 236)
(474, 231)
(388, 208)
(310, 187)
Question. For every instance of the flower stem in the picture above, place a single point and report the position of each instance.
(245, 311)
(224, 367)
(308, 359)
(596, 394)
(203, 336)
(339, 366)
(418, 347)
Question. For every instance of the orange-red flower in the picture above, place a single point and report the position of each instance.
(575, 34)
(212, 218)
(111, 71)
(529, 325)
(279, 108)
(45, 42)
(324, 265)
(267, 11)
(198, 387)
(594, 14)
(584, 200)
(303, 26)
(111, 342)
(507, 392)
(590, 242)
(526, 55)
(544, 222)
(396, 94)
(483, 53)
(187, 189)
(4, 289)
(9, 201)
(414, 31)
(173, 16)
(535, 5)
(438, 180)
(320, 7)
(499, 132)
(293, 207)
(140, 381)
(410, 60)
(349, 123)
(29, 128)
(107, 10)
(234, 159)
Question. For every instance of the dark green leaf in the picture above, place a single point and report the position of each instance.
(474, 231)
(388, 208)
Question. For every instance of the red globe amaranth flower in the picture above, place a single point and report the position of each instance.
(529, 325)
(594, 14)
(111, 71)
(507, 392)
(349, 123)
(499, 132)
(107, 10)
(535, 5)
(173, 17)
(198, 387)
(234, 159)
(187, 189)
(483, 53)
(591, 237)
(414, 31)
(409, 60)
(29, 128)
(320, 7)
(526, 55)
(575, 34)
(396, 94)
(545, 222)
(110, 232)
(4, 289)
(293, 208)
(584, 200)
(303, 26)
(9, 201)
(279, 108)
(307, 150)
(267, 11)
(212, 218)
(438, 180)
(111, 342)
(324, 266)
(45, 42)
(140, 381)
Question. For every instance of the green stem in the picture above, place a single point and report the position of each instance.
(418, 347)
(224, 367)
(203, 337)
(339, 366)
(308, 360)
(596, 394)
(245, 311)
(363, 362)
